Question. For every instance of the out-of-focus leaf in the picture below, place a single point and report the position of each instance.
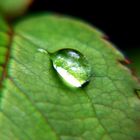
(134, 55)
(12, 8)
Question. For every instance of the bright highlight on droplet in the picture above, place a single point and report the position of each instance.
(42, 50)
(72, 67)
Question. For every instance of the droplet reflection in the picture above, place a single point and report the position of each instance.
(72, 67)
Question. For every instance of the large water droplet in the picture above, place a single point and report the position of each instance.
(72, 67)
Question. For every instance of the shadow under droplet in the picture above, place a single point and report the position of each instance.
(85, 84)
(137, 93)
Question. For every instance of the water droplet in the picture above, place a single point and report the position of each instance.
(72, 67)
(42, 50)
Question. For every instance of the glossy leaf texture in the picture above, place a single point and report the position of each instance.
(37, 105)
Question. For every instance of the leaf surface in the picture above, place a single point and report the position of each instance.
(37, 105)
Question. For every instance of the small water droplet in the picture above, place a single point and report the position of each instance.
(42, 50)
(72, 67)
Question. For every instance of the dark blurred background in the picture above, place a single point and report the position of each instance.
(119, 20)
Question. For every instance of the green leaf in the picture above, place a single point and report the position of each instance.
(4, 43)
(37, 105)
